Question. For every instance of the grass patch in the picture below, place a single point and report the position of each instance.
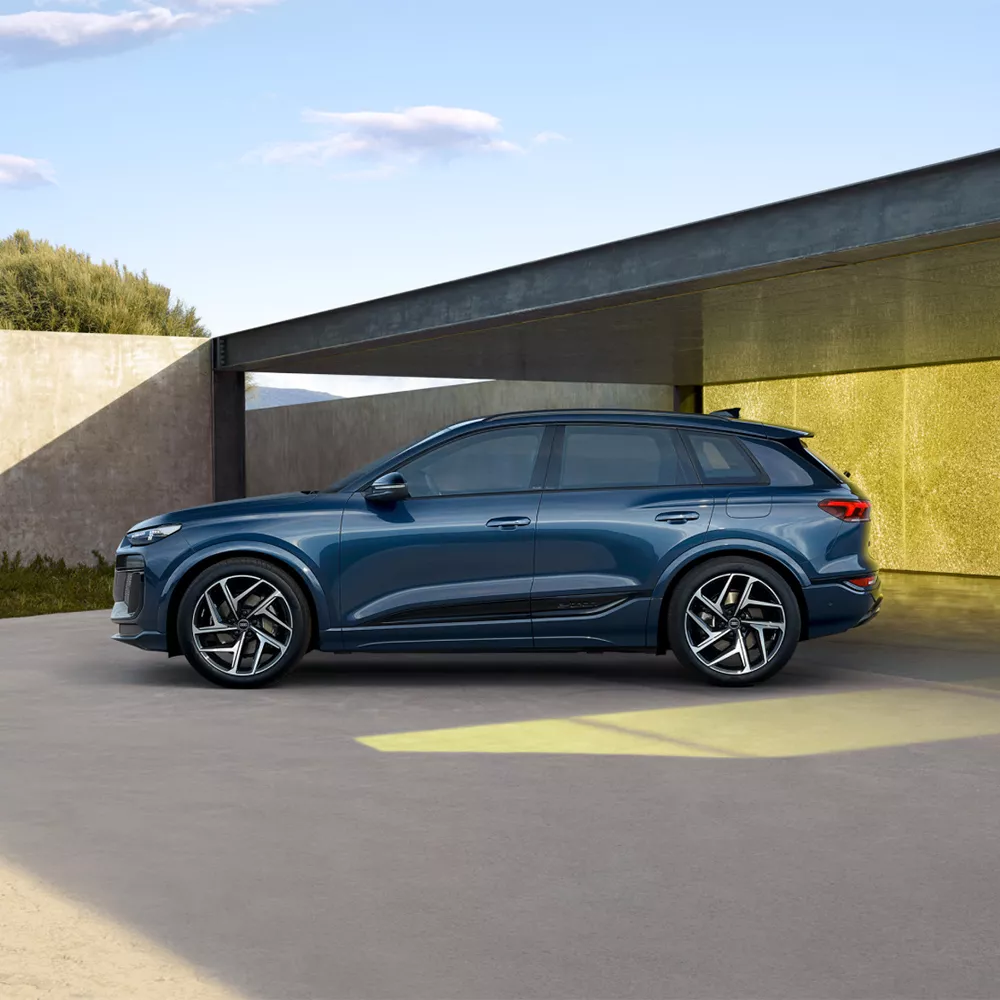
(47, 586)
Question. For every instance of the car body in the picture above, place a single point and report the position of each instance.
(545, 530)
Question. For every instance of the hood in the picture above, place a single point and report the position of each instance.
(277, 503)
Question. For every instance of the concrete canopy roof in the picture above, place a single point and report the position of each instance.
(903, 269)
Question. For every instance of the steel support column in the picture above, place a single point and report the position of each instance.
(228, 435)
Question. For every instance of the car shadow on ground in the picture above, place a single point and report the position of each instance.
(453, 670)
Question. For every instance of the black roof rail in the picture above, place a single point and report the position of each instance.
(733, 411)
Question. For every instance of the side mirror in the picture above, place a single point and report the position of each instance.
(388, 488)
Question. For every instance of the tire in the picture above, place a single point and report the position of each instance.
(767, 609)
(264, 644)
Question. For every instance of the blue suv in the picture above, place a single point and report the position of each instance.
(725, 541)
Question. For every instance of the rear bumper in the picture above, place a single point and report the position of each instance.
(837, 607)
(876, 607)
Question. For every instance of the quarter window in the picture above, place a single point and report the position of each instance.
(722, 459)
(784, 468)
(594, 457)
(500, 461)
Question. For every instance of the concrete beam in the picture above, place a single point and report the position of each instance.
(933, 206)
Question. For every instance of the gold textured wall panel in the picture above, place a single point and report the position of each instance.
(923, 443)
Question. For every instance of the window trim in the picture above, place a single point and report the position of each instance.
(554, 470)
(762, 477)
(535, 483)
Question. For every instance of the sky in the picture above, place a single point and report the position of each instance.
(271, 158)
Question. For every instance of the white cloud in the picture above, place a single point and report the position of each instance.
(227, 6)
(394, 137)
(41, 36)
(544, 137)
(21, 171)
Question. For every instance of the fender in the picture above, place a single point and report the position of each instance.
(718, 546)
(288, 557)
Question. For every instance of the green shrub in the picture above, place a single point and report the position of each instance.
(46, 586)
(45, 287)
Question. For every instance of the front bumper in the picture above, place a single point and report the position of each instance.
(130, 602)
(155, 642)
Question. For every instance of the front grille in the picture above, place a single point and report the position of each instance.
(129, 583)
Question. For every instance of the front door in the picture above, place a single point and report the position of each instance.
(621, 502)
(450, 567)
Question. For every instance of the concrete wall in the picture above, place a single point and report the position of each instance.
(311, 445)
(921, 442)
(97, 432)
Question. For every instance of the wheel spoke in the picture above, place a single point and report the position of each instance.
(267, 613)
(713, 606)
(719, 659)
(238, 651)
(257, 656)
(699, 621)
(270, 639)
(253, 586)
(234, 608)
(212, 609)
(208, 629)
(742, 648)
(746, 594)
(259, 609)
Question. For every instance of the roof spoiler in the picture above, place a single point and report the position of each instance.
(733, 412)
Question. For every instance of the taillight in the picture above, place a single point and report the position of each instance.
(847, 510)
(863, 581)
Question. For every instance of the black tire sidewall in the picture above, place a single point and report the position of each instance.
(297, 603)
(695, 578)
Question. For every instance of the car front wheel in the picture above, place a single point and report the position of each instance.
(243, 623)
(735, 621)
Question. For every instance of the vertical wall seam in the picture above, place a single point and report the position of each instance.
(902, 473)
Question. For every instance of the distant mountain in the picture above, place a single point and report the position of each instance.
(272, 395)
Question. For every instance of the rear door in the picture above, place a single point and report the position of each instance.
(620, 502)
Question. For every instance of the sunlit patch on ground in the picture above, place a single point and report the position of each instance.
(772, 727)
(54, 948)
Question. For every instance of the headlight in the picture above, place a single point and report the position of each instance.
(145, 536)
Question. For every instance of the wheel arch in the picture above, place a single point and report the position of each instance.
(180, 585)
(790, 576)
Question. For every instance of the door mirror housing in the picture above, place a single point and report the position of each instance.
(388, 488)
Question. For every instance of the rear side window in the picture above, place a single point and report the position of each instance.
(595, 457)
(783, 466)
(722, 459)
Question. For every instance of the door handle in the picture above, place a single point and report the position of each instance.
(677, 516)
(508, 523)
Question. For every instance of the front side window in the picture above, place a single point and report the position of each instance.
(595, 457)
(722, 459)
(499, 461)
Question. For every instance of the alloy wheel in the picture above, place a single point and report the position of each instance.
(734, 623)
(241, 625)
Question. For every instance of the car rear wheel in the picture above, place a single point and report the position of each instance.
(735, 621)
(243, 623)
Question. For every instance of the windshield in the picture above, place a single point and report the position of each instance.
(358, 476)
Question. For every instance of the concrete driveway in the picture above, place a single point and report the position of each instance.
(832, 833)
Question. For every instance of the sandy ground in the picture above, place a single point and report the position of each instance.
(54, 948)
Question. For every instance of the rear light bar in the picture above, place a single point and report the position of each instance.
(847, 510)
